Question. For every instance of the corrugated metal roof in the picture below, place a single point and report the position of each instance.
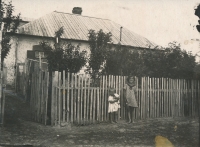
(26, 19)
(77, 27)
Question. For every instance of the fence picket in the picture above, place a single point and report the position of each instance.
(2, 107)
(88, 101)
(192, 102)
(98, 108)
(167, 97)
(79, 101)
(68, 108)
(64, 93)
(91, 104)
(150, 98)
(42, 98)
(103, 98)
(75, 96)
(46, 98)
(106, 98)
(171, 99)
(158, 98)
(154, 97)
(94, 106)
(59, 98)
(100, 101)
(85, 98)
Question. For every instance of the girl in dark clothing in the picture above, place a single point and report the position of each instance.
(130, 98)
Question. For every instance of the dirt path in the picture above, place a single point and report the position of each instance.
(19, 130)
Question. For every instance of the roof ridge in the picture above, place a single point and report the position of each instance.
(81, 15)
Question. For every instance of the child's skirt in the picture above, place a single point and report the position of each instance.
(113, 107)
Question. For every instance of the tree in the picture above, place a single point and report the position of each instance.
(64, 55)
(8, 23)
(172, 62)
(99, 48)
(179, 63)
(197, 13)
(125, 61)
(117, 60)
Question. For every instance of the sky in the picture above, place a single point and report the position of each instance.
(161, 21)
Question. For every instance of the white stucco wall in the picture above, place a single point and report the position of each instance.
(9, 61)
(19, 47)
(26, 43)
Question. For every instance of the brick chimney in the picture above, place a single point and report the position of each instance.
(77, 10)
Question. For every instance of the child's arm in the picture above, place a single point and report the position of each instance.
(116, 97)
(110, 100)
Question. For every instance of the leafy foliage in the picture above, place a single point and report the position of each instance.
(172, 62)
(197, 71)
(99, 48)
(117, 61)
(64, 56)
(179, 63)
(9, 23)
(197, 13)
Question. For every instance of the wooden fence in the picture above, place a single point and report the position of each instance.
(39, 96)
(20, 83)
(73, 99)
(3, 81)
(24, 72)
(63, 97)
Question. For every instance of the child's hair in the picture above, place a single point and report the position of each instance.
(112, 90)
(130, 76)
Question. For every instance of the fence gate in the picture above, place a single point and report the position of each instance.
(39, 96)
(32, 82)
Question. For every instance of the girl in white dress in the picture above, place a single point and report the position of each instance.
(113, 105)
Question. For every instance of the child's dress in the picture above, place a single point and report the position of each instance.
(130, 96)
(113, 107)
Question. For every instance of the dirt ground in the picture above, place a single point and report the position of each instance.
(20, 130)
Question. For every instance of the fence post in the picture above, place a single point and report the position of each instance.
(75, 97)
(64, 92)
(46, 98)
(91, 102)
(84, 99)
(1, 72)
(3, 106)
(68, 79)
(72, 98)
(53, 97)
(59, 98)
(88, 101)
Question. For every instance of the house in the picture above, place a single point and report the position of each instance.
(76, 28)
(24, 20)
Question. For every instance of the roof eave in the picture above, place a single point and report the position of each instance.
(86, 41)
